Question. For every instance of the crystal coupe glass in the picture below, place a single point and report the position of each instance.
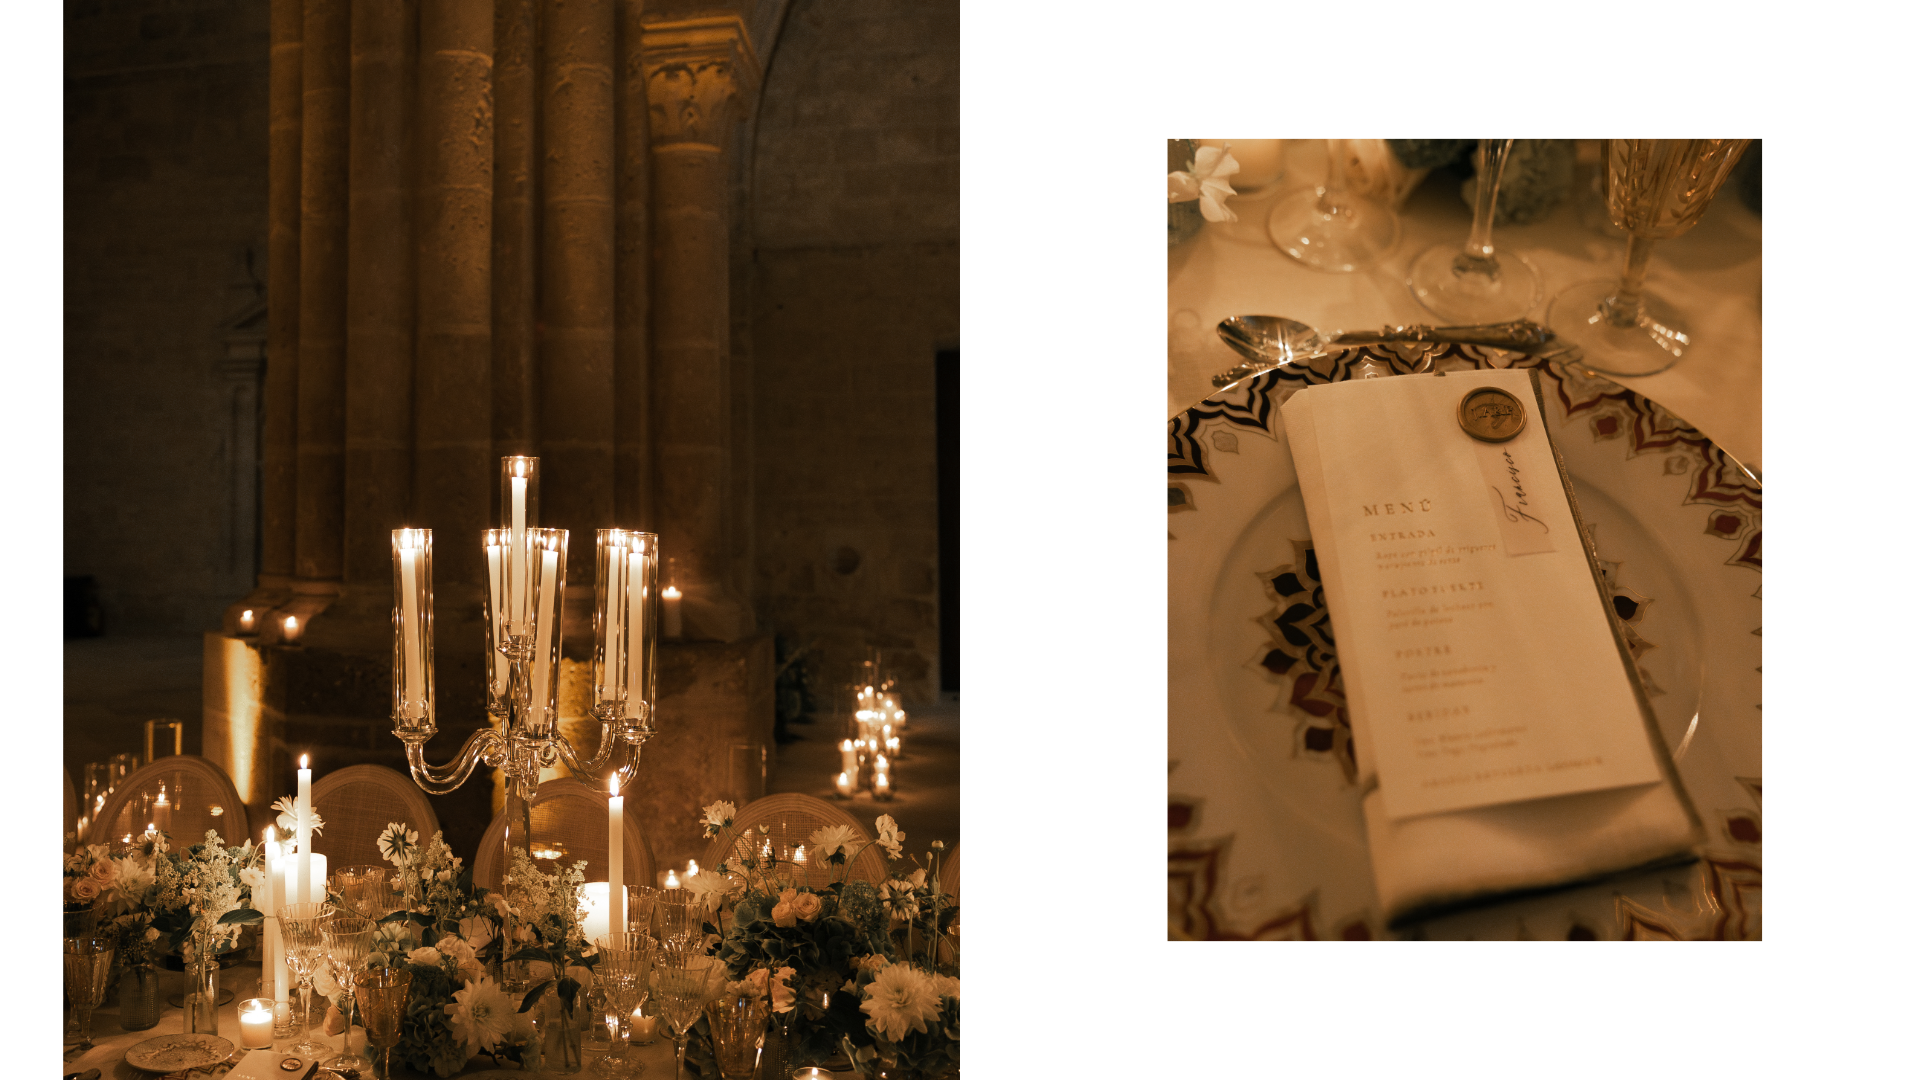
(1656, 189)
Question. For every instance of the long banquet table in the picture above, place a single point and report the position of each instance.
(111, 1043)
(1711, 274)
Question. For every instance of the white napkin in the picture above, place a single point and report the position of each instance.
(1499, 727)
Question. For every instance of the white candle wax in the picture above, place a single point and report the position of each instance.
(303, 831)
(518, 542)
(277, 894)
(616, 855)
(849, 762)
(246, 621)
(670, 612)
(290, 887)
(543, 646)
(844, 785)
(291, 631)
(256, 1029)
(413, 694)
(882, 787)
(614, 674)
(264, 904)
(635, 581)
(596, 920)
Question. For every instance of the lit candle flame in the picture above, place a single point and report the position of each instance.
(693, 868)
(670, 593)
(613, 784)
(303, 761)
(293, 625)
(672, 881)
(800, 852)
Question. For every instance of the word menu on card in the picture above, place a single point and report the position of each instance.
(1478, 656)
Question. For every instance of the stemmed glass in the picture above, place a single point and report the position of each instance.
(738, 1027)
(383, 1001)
(300, 929)
(365, 889)
(88, 960)
(348, 939)
(679, 915)
(1656, 189)
(1330, 227)
(1473, 285)
(624, 961)
(679, 989)
(640, 901)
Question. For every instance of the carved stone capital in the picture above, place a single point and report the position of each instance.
(701, 74)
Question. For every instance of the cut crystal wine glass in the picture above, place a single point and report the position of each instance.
(625, 960)
(1474, 285)
(679, 989)
(1331, 227)
(383, 993)
(1656, 189)
(88, 960)
(300, 929)
(348, 939)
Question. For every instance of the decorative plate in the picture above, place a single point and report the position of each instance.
(1264, 831)
(171, 1053)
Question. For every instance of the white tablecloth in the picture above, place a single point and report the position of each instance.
(1712, 275)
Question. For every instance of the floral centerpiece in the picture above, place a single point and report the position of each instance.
(841, 961)
(457, 1007)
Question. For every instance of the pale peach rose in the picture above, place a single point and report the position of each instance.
(783, 914)
(807, 906)
(336, 1022)
(86, 890)
(102, 871)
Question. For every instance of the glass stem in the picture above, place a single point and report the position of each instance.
(1623, 307)
(346, 1037)
(1478, 256)
(680, 1055)
(1333, 195)
(306, 1005)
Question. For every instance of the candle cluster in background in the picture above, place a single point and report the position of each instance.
(867, 755)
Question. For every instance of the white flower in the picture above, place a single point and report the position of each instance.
(898, 897)
(323, 981)
(476, 931)
(831, 840)
(481, 1015)
(900, 997)
(398, 843)
(710, 888)
(287, 808)
(890, 835)
(946, 986)
(1207, 182)
(719, 815)
(425, 956)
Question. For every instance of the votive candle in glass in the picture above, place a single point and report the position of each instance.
(256, 1023)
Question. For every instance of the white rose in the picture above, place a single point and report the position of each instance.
(425, 955)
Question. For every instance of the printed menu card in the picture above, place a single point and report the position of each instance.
(1480, 664)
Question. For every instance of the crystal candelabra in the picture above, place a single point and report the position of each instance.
(526, 576)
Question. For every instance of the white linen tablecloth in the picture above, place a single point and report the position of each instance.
(1712, 275)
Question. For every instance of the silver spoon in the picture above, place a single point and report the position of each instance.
(1267, 341)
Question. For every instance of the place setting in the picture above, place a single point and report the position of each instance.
(1463, 617)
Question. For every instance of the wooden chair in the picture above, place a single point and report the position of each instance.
(569, 815)
(69, 810)
(358, 803)
(791, 819)
(182, 796)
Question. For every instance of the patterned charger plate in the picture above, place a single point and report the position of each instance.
(1264, 831)
(171, 1053)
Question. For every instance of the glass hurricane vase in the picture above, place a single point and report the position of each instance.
(140, 998)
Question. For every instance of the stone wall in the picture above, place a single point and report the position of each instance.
(165, 252)
(856, 223)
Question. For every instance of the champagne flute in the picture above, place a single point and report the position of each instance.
(300, 929)
(348, 939)
(1330, 227)
(1656, 189)
(88, 960)
(1474, 285)
(384, 1002)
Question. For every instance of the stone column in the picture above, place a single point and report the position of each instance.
(699, 74)
(576, 264)
(632, 451)
(283, 299)
(515, 151)
(454, 469)
(379, 313)
(321, 429)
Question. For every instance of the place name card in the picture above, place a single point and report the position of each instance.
(1479, 661)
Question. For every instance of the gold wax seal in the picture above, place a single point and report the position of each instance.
(1490, 414)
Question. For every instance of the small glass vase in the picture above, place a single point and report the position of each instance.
(565, 1028)
(201, 1008)
(778, 1041)
(140, 998)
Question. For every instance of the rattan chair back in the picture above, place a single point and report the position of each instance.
(569, 819)
(183, 796)
(358, 803)
(791, 820)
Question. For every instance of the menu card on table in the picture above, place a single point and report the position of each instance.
(1489, 694)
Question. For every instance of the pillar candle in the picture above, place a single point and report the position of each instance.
(635, 581)
(303, 831)
(670, 612)
(273, 971)
(543, 646)
(616, 854)
(844, 785)
(289, 885)
(595, 919)
(518, 542)
(882, 787)
(413, 693)
(246, 621)
(849, 763)
(291, 633)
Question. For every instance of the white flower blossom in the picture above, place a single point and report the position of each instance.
(1207, 181)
